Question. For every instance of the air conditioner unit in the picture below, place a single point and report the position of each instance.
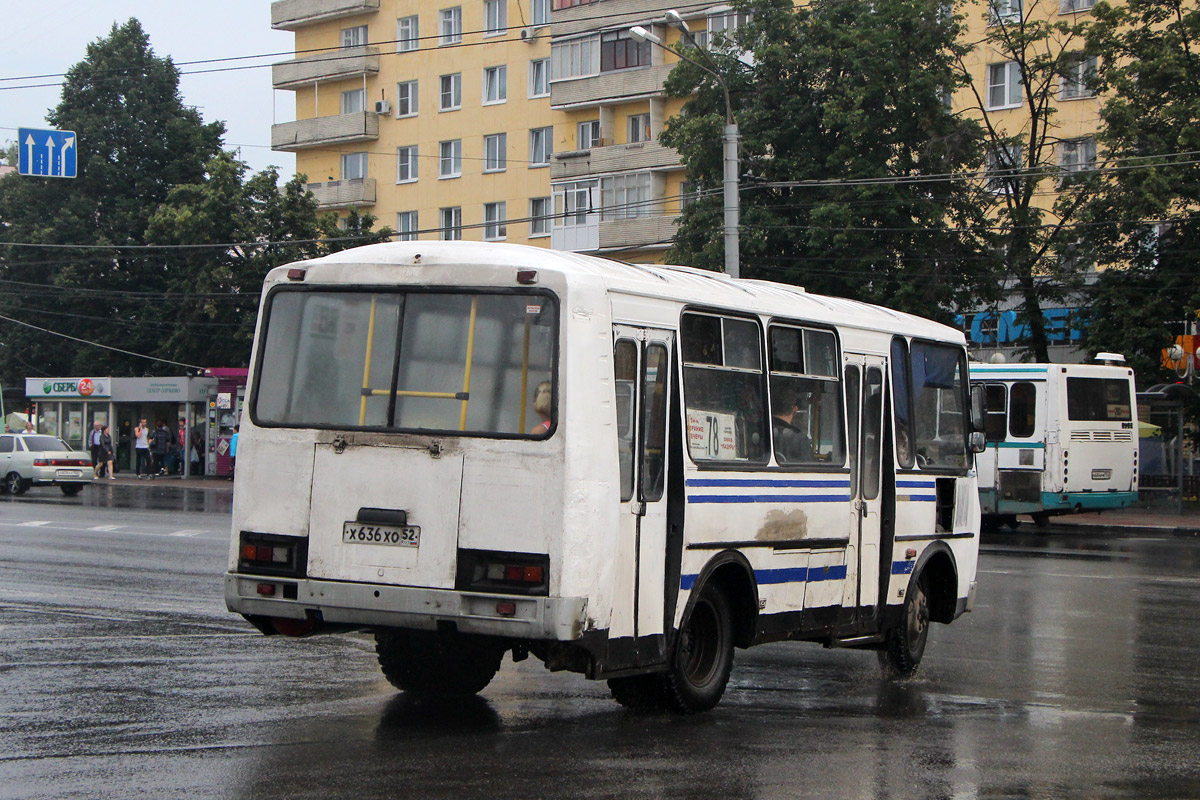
(383, 107)
(528, 35)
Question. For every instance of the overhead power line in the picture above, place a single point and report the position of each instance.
(97, 344)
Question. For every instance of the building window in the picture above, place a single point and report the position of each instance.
(576, 202)
(639, 128)
(354, 37)
(1004, 85)
(619, 50)
(406, 99)
(587, 134)
(576, 58)
(408, 36)
(540, 146)
(354, 101)
(541, 12)
(406, 164)
(1079, 73)
(451, 224)
(539, 216)
(450, 26)
(494, 227)
(726, 22)
(495, 17)
(495, 85)
(450, 159)
(539, 77)
(450, 95)
(1072, 6)
(1004, 11)
(1003, 163)
(1076, 156)
(625, 196)
(354, 165)
(406, 226)
(495, 152)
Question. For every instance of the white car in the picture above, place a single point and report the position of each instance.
(33, 459)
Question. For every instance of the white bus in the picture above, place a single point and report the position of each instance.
(1060, 438)
(471, 449)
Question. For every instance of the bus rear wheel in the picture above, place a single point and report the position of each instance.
(429, 663)
(906, 642)
(703, 656)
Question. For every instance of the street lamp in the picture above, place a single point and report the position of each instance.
(730, 180)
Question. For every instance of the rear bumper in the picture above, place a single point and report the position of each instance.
(376, 605)
(52, 476)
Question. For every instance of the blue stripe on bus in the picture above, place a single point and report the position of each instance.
(915, 484)
(768, 498)
(761, 482)
(902, 567)
(996, 370)
(918, 498)
(766, 577)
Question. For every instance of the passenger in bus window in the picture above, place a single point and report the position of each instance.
(792, 445)
(541, 404)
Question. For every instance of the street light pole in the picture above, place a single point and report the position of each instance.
(729, 183)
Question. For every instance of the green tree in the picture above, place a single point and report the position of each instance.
(1144, 224)
(211, 297)
(844, 129)
(137, 140)
(1036, 57)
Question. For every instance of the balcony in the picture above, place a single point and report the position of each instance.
(361, 126)
(597, 236)
(352, 193)
(288, 15)
(348, 62)
(613, 158)
(608, 87)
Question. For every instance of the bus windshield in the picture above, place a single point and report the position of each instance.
(412, 361)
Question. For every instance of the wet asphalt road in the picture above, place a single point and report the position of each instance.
(122, 676)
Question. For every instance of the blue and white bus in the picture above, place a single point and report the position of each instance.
(472, 450)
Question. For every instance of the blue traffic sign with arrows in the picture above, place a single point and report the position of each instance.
(47, 153)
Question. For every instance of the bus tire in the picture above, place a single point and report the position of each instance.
(905, 643)
(703, 656)
(429, 663)
(640, 692)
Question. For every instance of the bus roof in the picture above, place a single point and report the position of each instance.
(677, 283)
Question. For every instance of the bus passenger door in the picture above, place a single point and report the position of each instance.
(865, 432)
(642, 362)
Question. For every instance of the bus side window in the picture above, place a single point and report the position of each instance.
(655, 374)
(806, 401)
(902, 399)
(625, 372)
(723, 387)
(1022, 410)
(996, 414)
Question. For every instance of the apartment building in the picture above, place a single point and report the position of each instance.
(433, 117)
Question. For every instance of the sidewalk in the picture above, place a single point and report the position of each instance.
(1125, 521)
(169, 481)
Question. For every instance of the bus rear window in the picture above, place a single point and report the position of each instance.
(463, 362)
(1098, 400)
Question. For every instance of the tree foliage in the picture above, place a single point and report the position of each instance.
(1144, 225)
(845, 134)
(159, 246)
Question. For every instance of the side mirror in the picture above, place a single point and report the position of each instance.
(977, 408)
(977, 441)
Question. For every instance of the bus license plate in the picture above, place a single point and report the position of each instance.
(395, 535)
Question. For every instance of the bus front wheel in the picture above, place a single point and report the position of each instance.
(906, 642)
(703, 654)
(429, 663)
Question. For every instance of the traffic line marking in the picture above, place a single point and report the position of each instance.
(187, 532)
(105, 527)
(34, 523)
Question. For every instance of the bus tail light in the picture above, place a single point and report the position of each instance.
(508, 573)
(269, 554)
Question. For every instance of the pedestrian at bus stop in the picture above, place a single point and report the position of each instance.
(94, 443)
(141, 446)
(107, 454)
(233, 451)
(160, 445)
